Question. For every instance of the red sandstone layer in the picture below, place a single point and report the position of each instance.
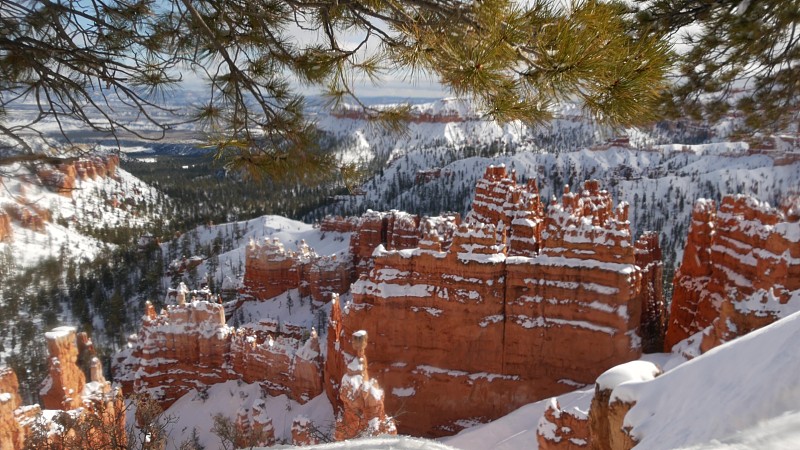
(492, 332)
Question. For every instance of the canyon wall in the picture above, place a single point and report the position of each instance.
(740, 270)
(97, 408)
(189, 346)
(474, 327)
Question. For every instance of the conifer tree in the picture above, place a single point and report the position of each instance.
(83, 60)
(741, 54)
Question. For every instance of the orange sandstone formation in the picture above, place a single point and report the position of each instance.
(338, 224)
(97, 408)
(6, 233)
(362, 411)
(303, 432)
(740, 270)
(563, 429)
(189, 346)
(63, 387)
(489, 332)
(12, 432)
(254, 427)
(607, 412)
(62, 178)
(270, 270)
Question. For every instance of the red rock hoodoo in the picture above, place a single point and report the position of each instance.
(63, 387)
(362, 412)
(303, 432)
(740, 270)
(6, 233)
(490, 322)
(189, 346)
(12, 432)
(66, 389)
(254, 427)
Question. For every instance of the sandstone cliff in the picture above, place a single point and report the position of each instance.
(490, 332)
(62, 178)
(740, 270)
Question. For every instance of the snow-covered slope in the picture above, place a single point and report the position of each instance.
(228, 265)
(101, 203)
(742, 394)
(194, 414)
(516, 430)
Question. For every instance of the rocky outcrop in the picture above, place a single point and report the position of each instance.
(254, 427)
(63, 177)
(740, 270)
(271, 270)
(607, 413)
(338, 224)
(97, 408)
(189, 346)
(11, 430)
(489, 332)
(6, 233)
(395, 229)
(28, 216)
(303, 432)
(362, 412)
(563, 429)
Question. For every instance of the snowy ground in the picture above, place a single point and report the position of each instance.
(192, 413)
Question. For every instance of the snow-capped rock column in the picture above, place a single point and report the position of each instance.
(255, 427)
(62, 388)
(11, 433)
(362, 399)
(5, 227)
